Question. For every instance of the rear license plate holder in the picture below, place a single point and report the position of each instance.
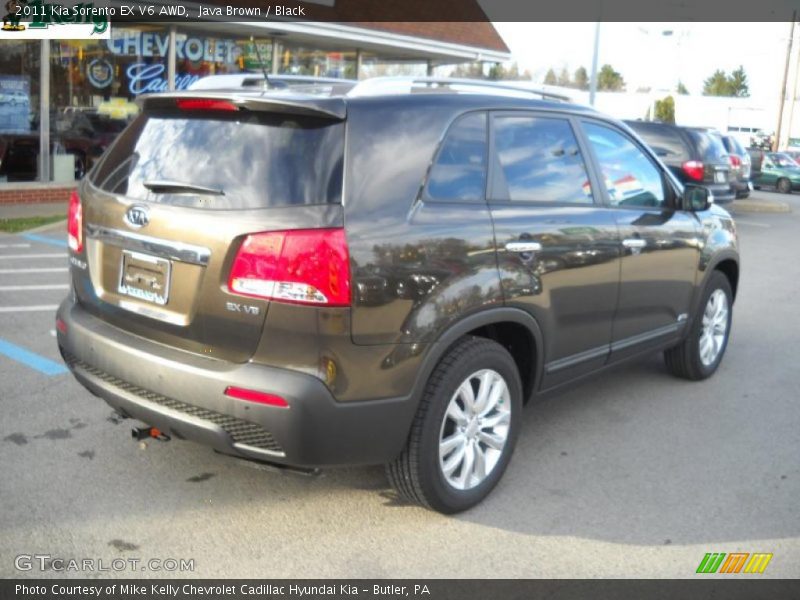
(145, 277)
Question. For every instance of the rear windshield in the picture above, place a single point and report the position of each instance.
(666, 142)
(247, 160)
(709, 145)
(732, 145)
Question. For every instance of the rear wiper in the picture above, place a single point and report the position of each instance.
(177, 187)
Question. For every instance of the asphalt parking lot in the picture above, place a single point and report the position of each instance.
(635, 474)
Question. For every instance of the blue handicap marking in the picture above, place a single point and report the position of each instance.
(30, 359)
(44, 240)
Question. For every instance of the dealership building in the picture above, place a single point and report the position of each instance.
(62, 101)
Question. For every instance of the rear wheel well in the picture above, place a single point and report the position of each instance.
(519, 342)
(730, 269)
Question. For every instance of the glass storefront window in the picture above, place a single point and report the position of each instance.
(300, 60)
(94, 83)
(373, 65)
(19, 109)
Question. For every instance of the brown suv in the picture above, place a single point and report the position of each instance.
(382, 276)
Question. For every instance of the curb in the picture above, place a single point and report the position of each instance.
(760, 206)
(47, 227)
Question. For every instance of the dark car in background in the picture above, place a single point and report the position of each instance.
(71, 133)
(695, 155)
(106, 128)
(740, 166)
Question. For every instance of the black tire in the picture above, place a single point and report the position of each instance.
(684, 360)
(784, 186)
(416, 474)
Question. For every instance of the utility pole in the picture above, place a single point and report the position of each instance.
(794, 97)
(777, 141)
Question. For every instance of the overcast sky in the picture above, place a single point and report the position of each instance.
(647, 58)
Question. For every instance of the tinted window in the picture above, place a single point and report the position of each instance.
(630, 178)
(783, 160)
(709, 145)
(460, 170)
(665, 142)
(257, 159)
(538, 160)
(732, 145)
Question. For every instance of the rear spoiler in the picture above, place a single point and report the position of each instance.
(286, 103)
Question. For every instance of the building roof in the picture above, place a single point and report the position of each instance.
(481, 34)
(460, 23)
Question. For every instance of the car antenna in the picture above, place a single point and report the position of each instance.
(260, 62)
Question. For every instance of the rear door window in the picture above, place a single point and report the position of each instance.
(251, 159)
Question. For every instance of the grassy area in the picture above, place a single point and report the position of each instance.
(25, 223)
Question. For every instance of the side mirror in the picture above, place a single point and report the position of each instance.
(697, 198)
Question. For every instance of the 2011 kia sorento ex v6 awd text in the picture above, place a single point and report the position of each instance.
(382, 276)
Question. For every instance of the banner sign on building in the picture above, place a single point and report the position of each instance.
(15, 103)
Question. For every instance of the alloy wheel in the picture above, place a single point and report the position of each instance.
(714, 327)
(474, 429)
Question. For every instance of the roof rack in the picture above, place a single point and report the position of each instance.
(253, 80)
(400, 85)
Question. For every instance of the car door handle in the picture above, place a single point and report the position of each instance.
(634, 243)
(523, 246)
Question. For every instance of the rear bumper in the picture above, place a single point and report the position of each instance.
(723, 193)
(182, 394)
(742, 187)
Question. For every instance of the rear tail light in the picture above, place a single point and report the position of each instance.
(735, 161)
(75, 223)
(302, 266)
(254, 396)
(205, 104)
(694, 169)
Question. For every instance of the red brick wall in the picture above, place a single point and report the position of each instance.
(33, 194)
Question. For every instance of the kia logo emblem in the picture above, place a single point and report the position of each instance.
(136, 216)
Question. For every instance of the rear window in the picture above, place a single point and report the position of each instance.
(709, 145)
(732, 145)
(459, 173)
(250, 159)
(665, 142)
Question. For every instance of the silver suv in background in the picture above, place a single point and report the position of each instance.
(741, 167)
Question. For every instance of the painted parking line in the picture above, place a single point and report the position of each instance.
(752, 223)
(25, 288)
(30, 359)
(44, 240)
(29, 308)
(15, 245)
(37, 270)
(18, 256)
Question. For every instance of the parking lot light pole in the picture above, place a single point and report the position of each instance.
(593, 81)
(793, 98)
